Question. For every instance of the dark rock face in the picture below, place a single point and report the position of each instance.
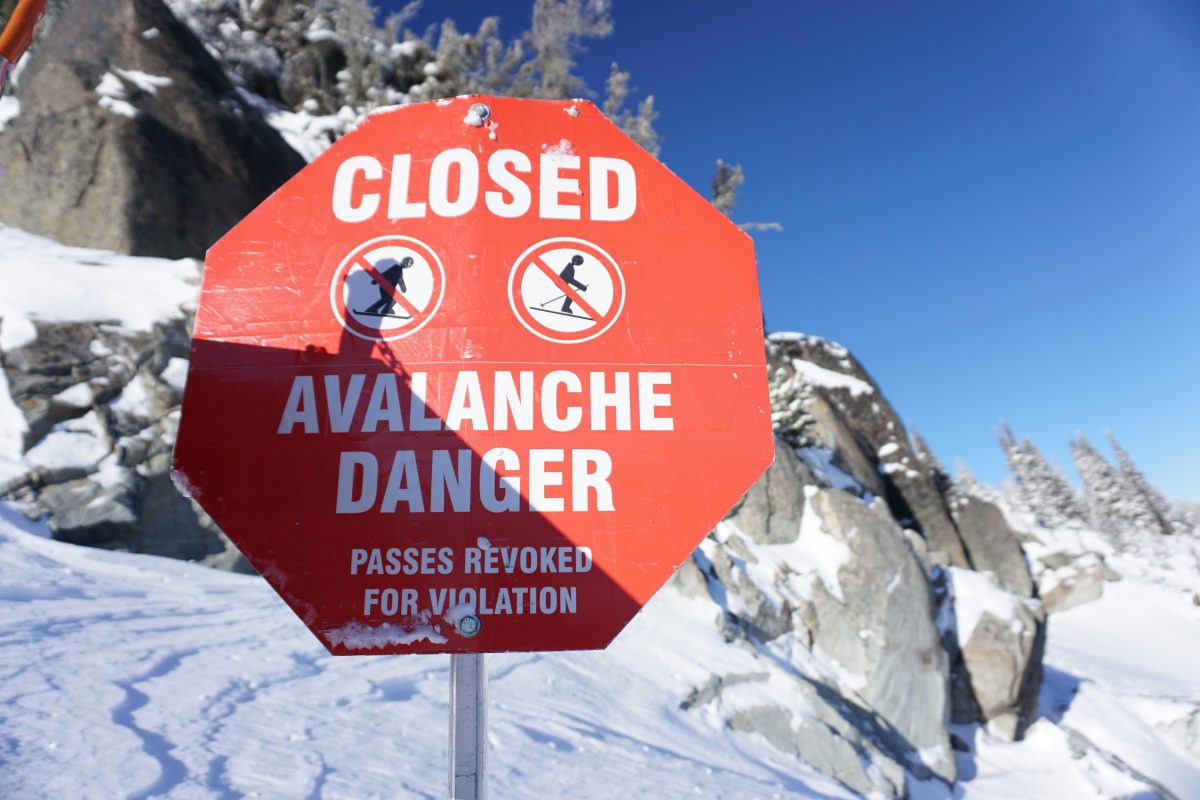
(992, 546)
(770, 512)
(131, 137)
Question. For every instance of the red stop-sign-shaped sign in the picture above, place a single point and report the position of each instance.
(475, 380)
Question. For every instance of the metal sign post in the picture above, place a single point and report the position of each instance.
(468, 727)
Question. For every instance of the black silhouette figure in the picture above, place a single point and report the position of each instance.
(393, 273)
(568, 275)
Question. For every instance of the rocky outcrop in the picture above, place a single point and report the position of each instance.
(841, 408)
(843, 584)
(90, 406)
(131, 138)
(897, 602)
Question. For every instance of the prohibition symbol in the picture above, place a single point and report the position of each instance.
(566, 290)
(387, 288)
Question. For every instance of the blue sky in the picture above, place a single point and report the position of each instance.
(996, 206)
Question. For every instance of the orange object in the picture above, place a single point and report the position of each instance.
(18, 33)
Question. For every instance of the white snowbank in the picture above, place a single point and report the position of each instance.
(41, 279)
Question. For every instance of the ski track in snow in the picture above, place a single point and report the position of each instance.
(134, 676)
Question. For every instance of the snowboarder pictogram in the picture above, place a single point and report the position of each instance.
(392, 271)
(387, 287)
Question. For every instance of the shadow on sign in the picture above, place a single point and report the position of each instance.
(382, 529)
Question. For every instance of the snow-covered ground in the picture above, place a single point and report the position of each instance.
(134, 676)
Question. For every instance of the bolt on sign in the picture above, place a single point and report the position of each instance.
(477, 379)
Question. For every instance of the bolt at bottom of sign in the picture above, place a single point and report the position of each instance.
(469, 625)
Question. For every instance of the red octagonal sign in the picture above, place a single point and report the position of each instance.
(477, 379)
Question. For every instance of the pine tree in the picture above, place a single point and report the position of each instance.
(1044, 487)
(727, 179)
(1103, 490)
(555, 36)
(1148, 510)
(637, 126)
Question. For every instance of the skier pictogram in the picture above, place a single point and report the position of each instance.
(547, 289)
(387, 288)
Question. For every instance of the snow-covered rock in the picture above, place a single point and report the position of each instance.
(1001, 638)
(823, 395)
(93, 350)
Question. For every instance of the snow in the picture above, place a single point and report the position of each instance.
(12, 436)
(976, 594)
(175, 373)
(563, 147)
(45, 281)
(134, 400)
(143, 80)
(360, 636)
(77, 396)
(10, 109)
(208, 686)
(473, 119)
(827, 473)
(825, 554)
(829, 379)
(151, 33)
(112, 96)
(306, 131)
(888, 449)
(76, 444)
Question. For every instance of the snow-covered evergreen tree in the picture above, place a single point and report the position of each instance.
(1103, 490)
(638, 125)
(1146, 508)
(1044, 487)
(727, 179)
(557, 33)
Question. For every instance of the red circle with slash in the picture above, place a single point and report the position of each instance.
(566, 290)
(387, 288)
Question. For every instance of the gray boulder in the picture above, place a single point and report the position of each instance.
(999, 642)
(770, 512)
(1069, 580)
(881, 632)
(991, 545)
(133, 141)
(826, 741)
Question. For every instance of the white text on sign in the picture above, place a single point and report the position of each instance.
(606, 189)
(548, 479)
